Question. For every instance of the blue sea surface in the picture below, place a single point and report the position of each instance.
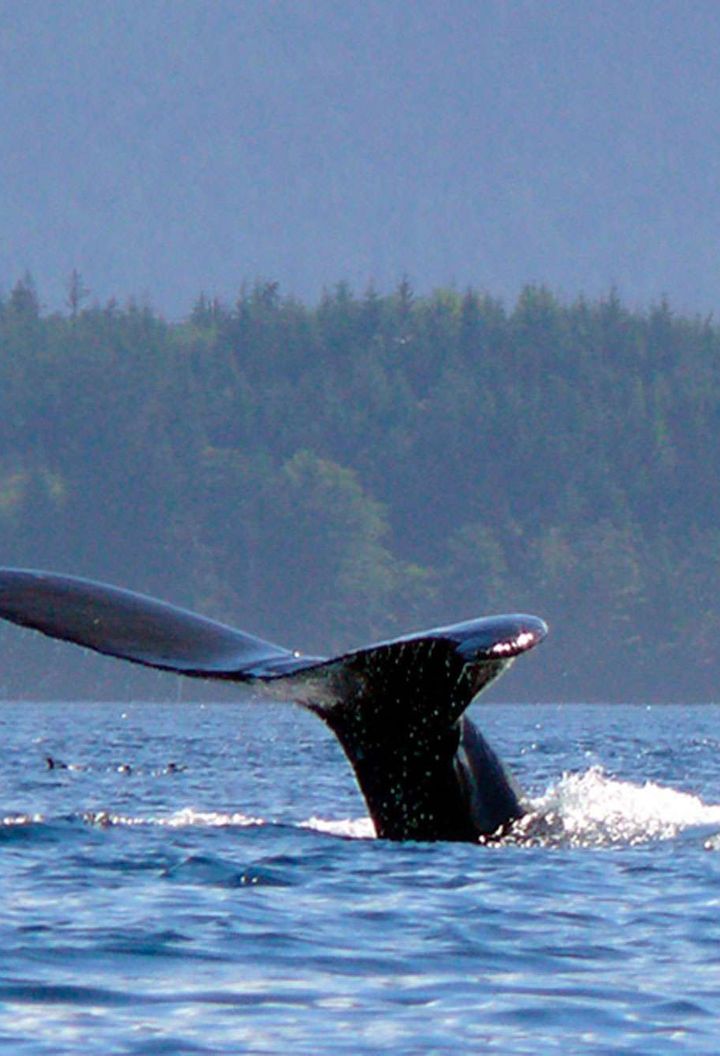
(204, 879)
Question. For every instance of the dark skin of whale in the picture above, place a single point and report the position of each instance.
(396, 707)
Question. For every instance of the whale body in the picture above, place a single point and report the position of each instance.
(397, 707)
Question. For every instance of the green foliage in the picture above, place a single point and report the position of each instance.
(327, 475)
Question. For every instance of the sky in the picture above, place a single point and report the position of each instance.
(164, 148)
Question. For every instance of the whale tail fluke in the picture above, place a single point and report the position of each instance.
(135, 627)
(396, 706)
(143, 630)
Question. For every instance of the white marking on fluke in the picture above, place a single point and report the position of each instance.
(522, 641)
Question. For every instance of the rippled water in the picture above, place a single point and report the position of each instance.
(203, 879)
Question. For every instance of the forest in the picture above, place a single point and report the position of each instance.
(326, 475)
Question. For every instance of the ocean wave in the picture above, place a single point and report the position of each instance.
(187, 817)
(583, 809)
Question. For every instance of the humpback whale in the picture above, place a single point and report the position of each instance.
(397, 707)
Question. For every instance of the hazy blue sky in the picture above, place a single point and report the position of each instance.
(164, 147)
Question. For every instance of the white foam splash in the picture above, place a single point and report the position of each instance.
(20, 819)
(592, 809)
(354, 828)
(181, 819)
(188, 816)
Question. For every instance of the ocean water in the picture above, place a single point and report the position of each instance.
(204, 879)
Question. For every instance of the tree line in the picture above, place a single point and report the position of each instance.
(329, 474)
